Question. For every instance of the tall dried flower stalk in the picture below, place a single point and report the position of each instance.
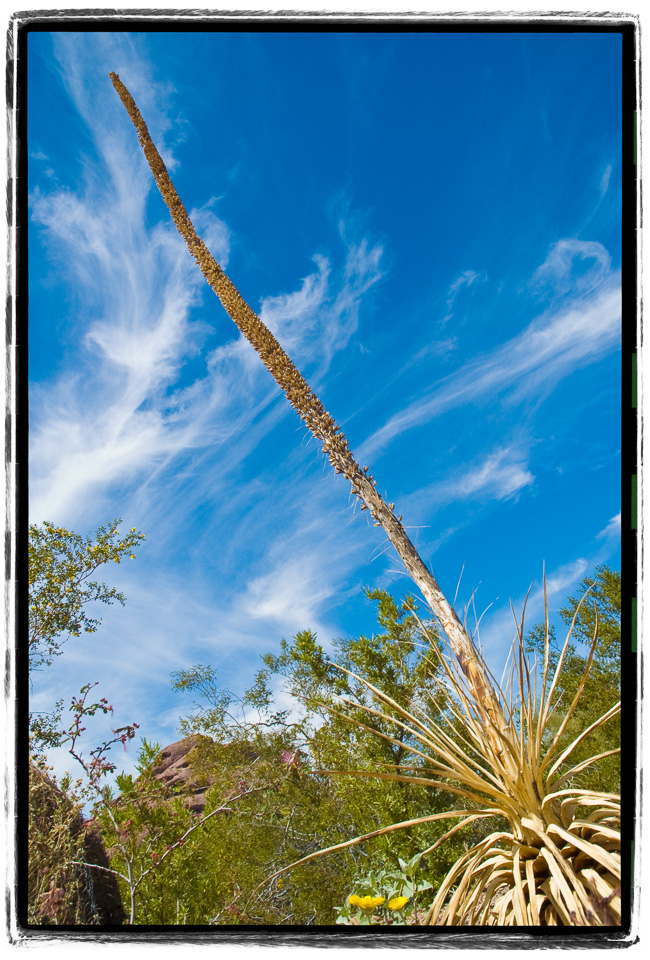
(335, 446)
(559, 860)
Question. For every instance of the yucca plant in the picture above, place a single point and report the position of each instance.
(557, 858)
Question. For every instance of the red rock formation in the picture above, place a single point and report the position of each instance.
(174, 769)
(181, 768)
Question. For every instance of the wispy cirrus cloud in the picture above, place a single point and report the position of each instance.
(572, 266)
(318, 319)
(604, 180)
(305, 572)
(113, 414)
(500, 475)
(576, 330)
(613, 529)
(465, 279)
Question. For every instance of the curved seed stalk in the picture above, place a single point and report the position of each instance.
(554, 864)
(320, 423)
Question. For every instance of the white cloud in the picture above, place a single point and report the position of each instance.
(317, 320)
(559, 270)
(84, 69)
(362, 271)
(437, 348)
(575, 331)
(292, 317)
(291, 595)
(499, 476)
(109, 417)
(604, 182)
(465, 279)
(613, 528)
(212, 230)
(562, 579)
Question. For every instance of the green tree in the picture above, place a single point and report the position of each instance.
(62, 565)
(601, 611)
(397, 660)
(285, 813)
(260, 813)
(307, 810)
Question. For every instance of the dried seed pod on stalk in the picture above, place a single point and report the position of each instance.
(501, 769)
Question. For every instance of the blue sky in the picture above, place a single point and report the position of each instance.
(430, 223)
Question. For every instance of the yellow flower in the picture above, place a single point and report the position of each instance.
(366, 903)
(398, 902)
